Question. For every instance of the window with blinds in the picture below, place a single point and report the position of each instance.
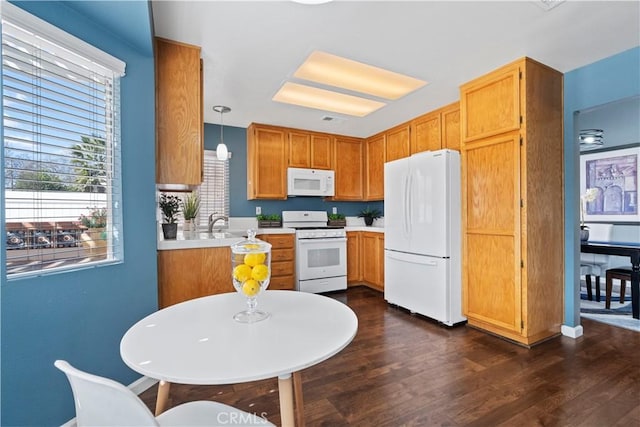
(214, 191)
(61, 149)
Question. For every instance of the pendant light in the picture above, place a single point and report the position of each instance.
(222, 153)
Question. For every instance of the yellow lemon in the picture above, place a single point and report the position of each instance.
(255, 258)
(250, 288)
(242, 272)
(252, 246)
(260, 272)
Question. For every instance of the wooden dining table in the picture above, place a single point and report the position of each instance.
(627, 249)
(199, 342)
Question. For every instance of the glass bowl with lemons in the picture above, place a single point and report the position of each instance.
(251, 272)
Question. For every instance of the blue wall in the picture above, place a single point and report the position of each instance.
(236, 140)
(604, 81)
(81, 316)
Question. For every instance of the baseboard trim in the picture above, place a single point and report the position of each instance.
(572, 331)
(139, 386)
(142, 384)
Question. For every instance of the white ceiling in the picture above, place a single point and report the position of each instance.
(251, 48)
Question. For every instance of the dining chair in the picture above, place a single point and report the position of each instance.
(601, 263)
(622, 274)
(597, 262)
(100, 401)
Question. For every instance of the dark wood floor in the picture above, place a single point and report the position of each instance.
(404, 370)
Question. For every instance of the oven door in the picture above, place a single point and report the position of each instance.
(321, 258)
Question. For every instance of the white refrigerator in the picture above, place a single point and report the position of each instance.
(422, 215)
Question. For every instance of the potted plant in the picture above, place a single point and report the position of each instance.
(190, 207)
(337, 219)
(369, 215)
(170, 207)
(269, 221)
(94, 238)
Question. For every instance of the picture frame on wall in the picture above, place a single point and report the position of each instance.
(609, 184)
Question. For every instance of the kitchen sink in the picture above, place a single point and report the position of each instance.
(222, 234)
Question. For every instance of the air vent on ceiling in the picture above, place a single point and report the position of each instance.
(548, 4)
(334, 120)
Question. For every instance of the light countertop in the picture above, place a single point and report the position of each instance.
(238, 231)
(364, 228)
(202, 239)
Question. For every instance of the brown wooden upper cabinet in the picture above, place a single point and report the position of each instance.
(426, 133)
(309, 149)
(436, 130)
(179, 113)
(358, 163)
(299, 149)
(450, 126)
(397, 142)
(374, 167)
(491, 104)
(267, 158)
(348, 164)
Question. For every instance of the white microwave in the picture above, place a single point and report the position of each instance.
(310, 182)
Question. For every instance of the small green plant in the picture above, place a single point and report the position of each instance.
(170, 207)
(336, 216)
(97, 218)
(370, 213)
(190, 206)
(266, 217)
(269, 220)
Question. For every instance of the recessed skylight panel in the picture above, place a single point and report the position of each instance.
(312, 97)
(332, 70)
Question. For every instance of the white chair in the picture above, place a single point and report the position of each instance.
(103, 402)
(597, 262)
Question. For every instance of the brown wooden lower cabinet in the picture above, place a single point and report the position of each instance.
(365, 259)
(283, 267)
(185, 274)
(354, 273)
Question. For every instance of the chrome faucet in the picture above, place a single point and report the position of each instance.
(213, 220)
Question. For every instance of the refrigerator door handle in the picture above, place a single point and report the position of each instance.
(405, 206)
(410, 258)
(410, 203)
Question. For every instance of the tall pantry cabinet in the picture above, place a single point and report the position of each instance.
(179, 113)
(511, 130)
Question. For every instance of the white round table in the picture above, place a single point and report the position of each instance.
(198, 342)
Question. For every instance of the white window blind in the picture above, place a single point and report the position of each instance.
(61, 149)
(214, 191)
